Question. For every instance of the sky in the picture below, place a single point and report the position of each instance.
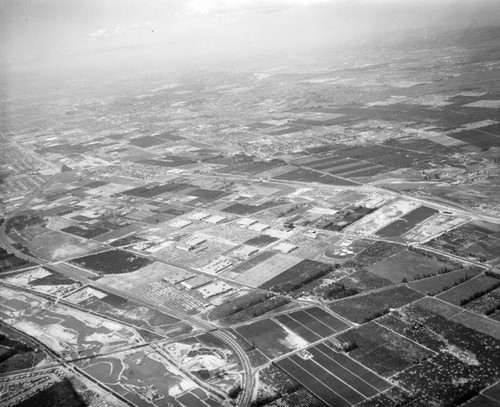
(35, 33)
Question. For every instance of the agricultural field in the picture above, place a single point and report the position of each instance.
(261, 241)
(365, 307)
(362, 280)
(329, 377)
(266, 270)
(466, 292)
(87, 232)
(256, 357)
(328, 287)
(243, 306)
(112, 262)
(478, 240)
(312, 324)
(377, 251)
(408, 266)
(486, 304)
(18, 352)
(447, 336)
(443, 379)
(439, 307)
(275, 386)
(493, 392)
(271, 338)
(382, 350)
(407, 222)
(59, 392)
(297, 276)
(481, 401)
(479, 323)
(347, 216)
(9, 262)
(442, 282)
(305, 175)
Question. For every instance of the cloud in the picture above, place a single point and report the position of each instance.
(132, 29)
(100, 34)
(218, 7)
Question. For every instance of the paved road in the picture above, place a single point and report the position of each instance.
(248, 378)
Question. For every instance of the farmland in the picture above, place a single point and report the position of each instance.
(407, 266)
(270, 338)
(18, 352)
(333, 377)
(436, 284)
(312, 324)
(112, 262)
(297, 276)
(268, 270)
(407, 222)
(476, 239)
(382, 350)
(275, 385)
(464, 292)
(364, 308)
(297, 227)
(304, 175)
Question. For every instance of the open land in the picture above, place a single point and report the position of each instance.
(298, 232)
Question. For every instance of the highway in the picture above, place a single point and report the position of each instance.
(247, 376)
(248, 380)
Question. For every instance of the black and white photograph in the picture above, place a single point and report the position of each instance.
(249, 203)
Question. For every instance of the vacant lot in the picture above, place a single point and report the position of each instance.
(60, 246)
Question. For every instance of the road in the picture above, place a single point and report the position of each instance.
(248, 380)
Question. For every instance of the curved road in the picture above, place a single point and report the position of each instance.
(248, 378)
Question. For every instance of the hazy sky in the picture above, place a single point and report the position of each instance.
(43, 31)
